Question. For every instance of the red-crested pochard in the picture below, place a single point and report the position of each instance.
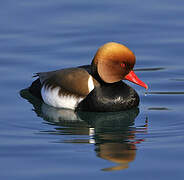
(96, 87)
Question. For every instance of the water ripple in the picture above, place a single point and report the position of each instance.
(165, 92)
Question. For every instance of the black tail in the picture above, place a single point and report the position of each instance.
(35, 88)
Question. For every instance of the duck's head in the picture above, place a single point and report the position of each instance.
(114, 62)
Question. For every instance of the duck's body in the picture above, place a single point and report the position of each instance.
(86, 93)
(91, 88)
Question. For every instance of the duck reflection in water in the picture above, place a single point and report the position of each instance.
(113, 133)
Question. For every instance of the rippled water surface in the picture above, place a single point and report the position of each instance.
(41, 142)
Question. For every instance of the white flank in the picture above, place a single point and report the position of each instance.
(90, 84)
(52, 98)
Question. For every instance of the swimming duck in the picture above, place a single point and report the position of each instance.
(96, 87)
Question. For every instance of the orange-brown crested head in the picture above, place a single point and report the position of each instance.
(113, 62)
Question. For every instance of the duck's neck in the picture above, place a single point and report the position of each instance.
(94, 73)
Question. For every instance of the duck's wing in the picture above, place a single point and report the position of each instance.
(86, 67)
(75, 81)
(35, 88)
(45, 75)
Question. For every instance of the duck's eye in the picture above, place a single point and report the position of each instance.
(123, 65)
(126, 66)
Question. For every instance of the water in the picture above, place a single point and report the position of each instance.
(39, 142)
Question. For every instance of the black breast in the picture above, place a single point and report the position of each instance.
(110, 97)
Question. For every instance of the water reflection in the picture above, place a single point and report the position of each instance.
(113, 134)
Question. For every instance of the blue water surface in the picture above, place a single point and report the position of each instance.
(40, 142)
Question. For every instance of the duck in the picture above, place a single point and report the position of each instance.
(98, 87)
